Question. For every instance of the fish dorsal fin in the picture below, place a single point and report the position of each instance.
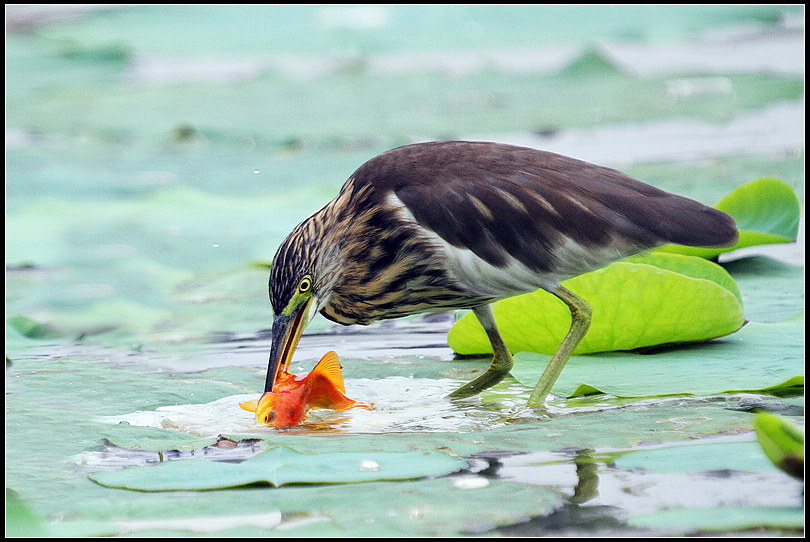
(250, 406)
(329, 368)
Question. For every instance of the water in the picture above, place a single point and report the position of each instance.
(401, 404)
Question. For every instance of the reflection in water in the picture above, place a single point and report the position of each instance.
(554, 469)
(587, 486)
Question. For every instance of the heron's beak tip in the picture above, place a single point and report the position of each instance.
(286, 333)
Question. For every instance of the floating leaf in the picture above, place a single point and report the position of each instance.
(279, 466)
(20, 521)
(724, 519)
(592, 62)
(32, 329)
(99, 317)
(766, 211)
(761, 358)
(702, 457)
(782, 442)
(643, 301)
(708, 457)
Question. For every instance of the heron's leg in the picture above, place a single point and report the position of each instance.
(501, 359)
(580, 322)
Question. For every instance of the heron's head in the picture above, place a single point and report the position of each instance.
(299, 287)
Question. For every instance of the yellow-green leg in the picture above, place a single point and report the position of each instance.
(501, 359)
(580, 322)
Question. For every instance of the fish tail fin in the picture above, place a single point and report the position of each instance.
(345, 404)
(250, 406)
(329, 368)
(357, 404)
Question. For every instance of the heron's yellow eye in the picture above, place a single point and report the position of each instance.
(305, 285)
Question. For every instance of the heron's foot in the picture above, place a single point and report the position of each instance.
(496, 372)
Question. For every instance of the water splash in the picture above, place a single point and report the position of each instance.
(401, 404)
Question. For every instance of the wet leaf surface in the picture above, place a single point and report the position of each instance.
(761, 357)
(280, 466)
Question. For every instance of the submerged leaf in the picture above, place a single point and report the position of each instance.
(766, 212)
(32, 329)
(723, 519)
(643, 301)
(698, 457)
(279, 466)
(782, 442)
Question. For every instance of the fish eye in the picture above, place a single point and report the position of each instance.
(305, 285)
(269, 416)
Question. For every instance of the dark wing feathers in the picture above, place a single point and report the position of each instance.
(498, 199)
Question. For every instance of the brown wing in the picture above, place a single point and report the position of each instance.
(501, 201)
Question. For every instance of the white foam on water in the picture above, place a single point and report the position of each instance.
(401, 404)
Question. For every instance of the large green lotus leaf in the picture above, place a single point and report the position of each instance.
(645, 301)
(696, 268)
(782, 441)
(761, 357)
(766, 212)
(279, 466)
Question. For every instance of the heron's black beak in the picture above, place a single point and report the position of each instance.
(286, 333)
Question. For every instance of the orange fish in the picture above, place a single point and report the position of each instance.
(294, 395)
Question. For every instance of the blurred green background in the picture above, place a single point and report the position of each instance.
(154, 153)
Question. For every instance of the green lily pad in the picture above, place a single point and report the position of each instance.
(22, 522)
(279, 466)
(643, 301)
(782, 442)
(722, 519)
(703, 457)
(766, 211)
(154, 439)
(763, 358)
(738, 457)
(28, 327)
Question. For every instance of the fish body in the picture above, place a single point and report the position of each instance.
(293, 396)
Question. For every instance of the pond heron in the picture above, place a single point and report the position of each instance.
(457, 225)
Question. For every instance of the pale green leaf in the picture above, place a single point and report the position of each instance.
(763, 358)
(703, 457)
(279, 466)
(722, 518)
